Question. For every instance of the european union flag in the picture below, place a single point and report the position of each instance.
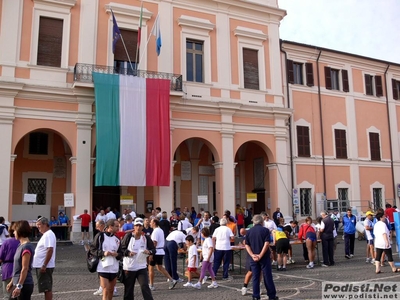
(116, 32)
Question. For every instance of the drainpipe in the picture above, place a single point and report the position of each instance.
(321, 124)
(390, 136)
(290, 129)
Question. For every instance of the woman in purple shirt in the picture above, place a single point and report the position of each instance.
(7, 252)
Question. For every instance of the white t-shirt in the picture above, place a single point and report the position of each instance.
(270, 225)
(368, 223)
(379, 229)
(3, 235)
(184, 224)
(193, 257)
(110, 243)
(110, 215)
(177, 236)
(223, 236)
(158, 236)
(205, 223)
(196, 236)
(207, 244)
(132, 263)
(100, 217)
(133, 214)
(48, 240)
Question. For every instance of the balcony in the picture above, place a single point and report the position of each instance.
(83, 73)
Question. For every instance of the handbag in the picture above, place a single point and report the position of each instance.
(121, 273)
(92, 261)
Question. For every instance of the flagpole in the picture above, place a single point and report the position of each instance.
(126, 51)
(122, 39)
(139, 37)
(151, 32)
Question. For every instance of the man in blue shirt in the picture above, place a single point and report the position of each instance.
(257, 246)
(349, 229)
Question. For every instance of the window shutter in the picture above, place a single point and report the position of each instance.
(303, 141)
(250, 69)
(328, 79)
(310, 74)
(374, 146)
(368, 84)
(130, 39)
(340, 143)
(345, 79)
(290, 71)
(378, 86)
(50, 42)
(395, 90)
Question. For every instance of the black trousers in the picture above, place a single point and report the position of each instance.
(349, 243)
(142, 277)
(327, 251)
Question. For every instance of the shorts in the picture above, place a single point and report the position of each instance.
(45, 280)
(192, 269)
(370, 242)
(84, 228)
(392, 226)
(312, 236)
(109, 276)
(157, 260)
(282, 246)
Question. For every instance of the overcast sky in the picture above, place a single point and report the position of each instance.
(364, 27)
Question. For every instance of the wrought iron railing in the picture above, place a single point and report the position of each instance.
(83, 73)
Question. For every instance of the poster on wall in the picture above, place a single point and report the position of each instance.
(295, 196)
(251, 197)
(202, 199)
(30, 198)
(69, 200)
(126, 200)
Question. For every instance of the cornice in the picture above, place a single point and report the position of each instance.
(67, 3)
(10, 89)
(250, 33)
(198, 23)
(35, 92)
(128, 10)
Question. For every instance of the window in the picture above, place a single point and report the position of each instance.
(121, 59)
(395, 89)
(38, 143)
(332, 79)
(250, 69)
(377, 198)
(194, 61)
(373, 85)
(295, 73)
(340, 143)
(374, 146)
(38, 186)
(50, 42)
(305, 202)
(303, 141)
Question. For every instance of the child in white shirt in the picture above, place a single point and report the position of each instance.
(192, 261)
(208, 259)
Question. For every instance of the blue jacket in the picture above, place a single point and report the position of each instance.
(349, 224)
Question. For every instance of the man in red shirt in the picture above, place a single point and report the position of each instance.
(85, 217)
(389, 213)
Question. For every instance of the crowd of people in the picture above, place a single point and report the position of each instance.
(131, 248)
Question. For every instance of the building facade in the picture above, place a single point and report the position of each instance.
(248, 113)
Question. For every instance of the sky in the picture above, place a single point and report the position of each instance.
(364, 27)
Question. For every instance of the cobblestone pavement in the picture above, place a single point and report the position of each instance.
(73, 281)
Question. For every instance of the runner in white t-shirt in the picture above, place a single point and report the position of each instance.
(157, 260)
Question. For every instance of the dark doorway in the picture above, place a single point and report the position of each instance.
(259, 206)
(105, 196)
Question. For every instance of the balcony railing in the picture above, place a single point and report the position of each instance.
(83, 73)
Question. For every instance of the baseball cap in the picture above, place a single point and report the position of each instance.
(138, 221)
(369, 213)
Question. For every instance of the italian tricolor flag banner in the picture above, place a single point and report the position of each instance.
(132, 131)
